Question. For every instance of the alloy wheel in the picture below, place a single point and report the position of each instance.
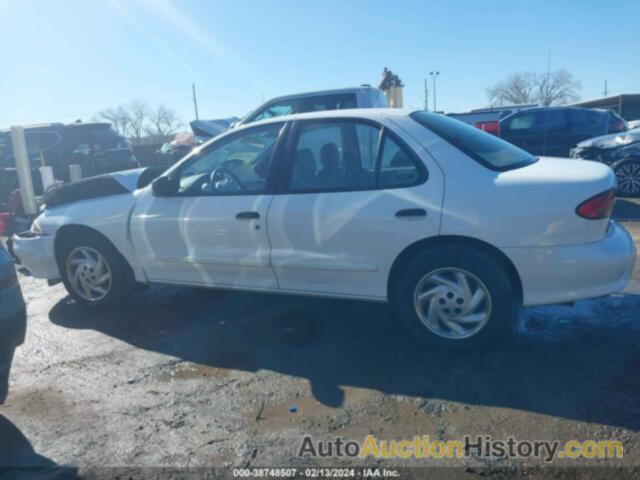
(628, 177)
(89, 273)
(452, 303)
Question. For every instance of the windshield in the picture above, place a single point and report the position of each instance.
(485, 148)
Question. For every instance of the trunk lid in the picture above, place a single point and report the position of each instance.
(551, 189)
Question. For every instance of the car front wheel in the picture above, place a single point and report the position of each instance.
(93, 271)
(627, 173)
(456, 298)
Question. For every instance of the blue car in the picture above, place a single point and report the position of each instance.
(13, 318)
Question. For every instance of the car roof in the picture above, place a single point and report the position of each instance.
(335, 91)
(364, 113)
(59, 125)
(563, 107)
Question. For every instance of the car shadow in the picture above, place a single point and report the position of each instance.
(626, 209)
(578, 363)
(18, 459)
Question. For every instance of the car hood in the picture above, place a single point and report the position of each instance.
(613, 140)
(115, 183)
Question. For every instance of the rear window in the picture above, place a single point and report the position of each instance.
(105, 137)
(304, 105)
(485, 148)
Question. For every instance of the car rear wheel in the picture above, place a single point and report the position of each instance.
(456, 298)
(93, 271)
(627, 173)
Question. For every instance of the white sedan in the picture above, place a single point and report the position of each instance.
(454, 227)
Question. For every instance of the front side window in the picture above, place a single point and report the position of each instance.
(485, 148)
(347, 155)
(236, 164)
(523, 121)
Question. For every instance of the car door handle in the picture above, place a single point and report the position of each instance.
(247, 215)
(411, 212)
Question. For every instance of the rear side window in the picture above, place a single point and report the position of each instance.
(350, 155)
(555, 119)
(591, 123)
(485, 148)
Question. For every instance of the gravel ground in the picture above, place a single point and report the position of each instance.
(197, 378)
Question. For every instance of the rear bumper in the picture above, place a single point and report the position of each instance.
(37, 255)
(564, 274)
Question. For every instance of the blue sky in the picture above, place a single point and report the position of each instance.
(63, 60)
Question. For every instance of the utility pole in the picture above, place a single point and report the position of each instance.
(426, 94)
(434, 75)
(606, 91)
(195, 100)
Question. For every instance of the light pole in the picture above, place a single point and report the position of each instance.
(434, 75)
(426, 94)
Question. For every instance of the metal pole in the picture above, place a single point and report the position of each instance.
(435, 108)
(195, 100)
(23, 169)
(434, 75)
(426, 94)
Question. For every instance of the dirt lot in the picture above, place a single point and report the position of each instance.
(189, 378)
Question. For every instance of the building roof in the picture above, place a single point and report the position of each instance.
(611, 101)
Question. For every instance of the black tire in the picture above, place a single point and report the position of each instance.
(503, 306)
(122, 281)
(627, 173)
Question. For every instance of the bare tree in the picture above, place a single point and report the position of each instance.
(137, 112)
(117, 116)
(135, 120)
(556, 88)
(163, 122)
(518, 88)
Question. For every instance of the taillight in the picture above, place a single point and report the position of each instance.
(619, 127)
(598, 207)
(489, 127)
(8, 282)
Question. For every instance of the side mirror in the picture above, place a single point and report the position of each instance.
(163, 187)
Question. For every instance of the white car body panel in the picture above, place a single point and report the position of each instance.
(344, 243)
(198, 240)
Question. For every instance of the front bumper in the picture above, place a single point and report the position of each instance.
(37, 254)
(562, 274)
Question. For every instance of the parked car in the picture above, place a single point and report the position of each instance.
(488, 119)
(553, 131)
(96, 147)
(344, 98)
(13, 318)
(621, 151)
(348, 204)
